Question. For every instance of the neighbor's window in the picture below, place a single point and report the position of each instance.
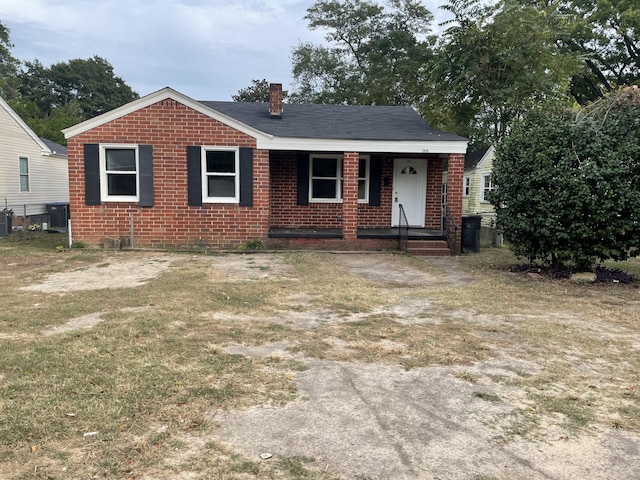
(467, 187)
(24, 174)
(487, 186)
(220, 168)
(326, 182)
(119, 173)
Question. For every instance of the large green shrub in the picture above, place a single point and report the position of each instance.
(568, 185)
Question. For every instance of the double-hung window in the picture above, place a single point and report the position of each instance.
(487, 186)
(119, 168)
(363, 180)
(220, 175)
(24, 174)
(326, 178)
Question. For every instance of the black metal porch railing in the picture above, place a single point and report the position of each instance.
(403, 230)
(450, 229)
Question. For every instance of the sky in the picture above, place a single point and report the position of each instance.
(205, 49)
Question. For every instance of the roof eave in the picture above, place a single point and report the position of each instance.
(345, 145)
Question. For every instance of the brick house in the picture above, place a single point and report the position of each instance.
(168, 171)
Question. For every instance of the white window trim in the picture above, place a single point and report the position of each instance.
(27, 175)
(203, 166)
(104, 183)
(340, 178)
(483, 190)
(367, 177)
(466, 186)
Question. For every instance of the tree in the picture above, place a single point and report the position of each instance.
(91, 83)
(49, 125)
(566, 185)
(374, 55)
(606, 35)
(258, 91)
(8, 65)
(493, 64)
(66, 93)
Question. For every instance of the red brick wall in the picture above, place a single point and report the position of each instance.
(433, 212)
(169, 127)
(285, 213)
(455, 173)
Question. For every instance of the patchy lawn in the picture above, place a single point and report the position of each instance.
(147, 365)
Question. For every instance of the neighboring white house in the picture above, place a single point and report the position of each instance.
(477, 184)
(33, 171)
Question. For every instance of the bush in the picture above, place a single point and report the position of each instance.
(567, 186)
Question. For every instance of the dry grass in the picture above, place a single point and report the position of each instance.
(151, 376)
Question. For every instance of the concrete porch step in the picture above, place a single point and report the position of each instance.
(428, 248)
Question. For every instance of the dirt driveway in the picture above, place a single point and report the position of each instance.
(384, 420)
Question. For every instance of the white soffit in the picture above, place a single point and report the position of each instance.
(342, 145)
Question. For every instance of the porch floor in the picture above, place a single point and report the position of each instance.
(380, 233)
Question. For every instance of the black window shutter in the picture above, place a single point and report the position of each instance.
(375, 181)
(303, 179)
(92, 174)
(146, 175)
(246, 177)
(194, 177)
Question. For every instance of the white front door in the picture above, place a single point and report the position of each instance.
(409, 190)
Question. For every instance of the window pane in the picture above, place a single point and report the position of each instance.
(122, 185)
(325, 167)
(221, 162)
(362, 168)
(323, 188)
(362, 194)
(221, 186)
(24, 183)
(121, 160)
(24, 166)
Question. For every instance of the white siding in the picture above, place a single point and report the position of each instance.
(48, 175)
(473, 204)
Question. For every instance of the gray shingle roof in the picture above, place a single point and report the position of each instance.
(471, 159)
(54, 147)
(346, 122)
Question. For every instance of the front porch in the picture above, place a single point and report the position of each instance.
(353, 200)
(417, 241)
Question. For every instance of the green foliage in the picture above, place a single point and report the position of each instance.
(91, 83)
(374, 55)
(494, 63)
(8, 65)
(258, 91)
(253, 245)
(47, 125)
(567, 190)
(55, 97)
(606, 36)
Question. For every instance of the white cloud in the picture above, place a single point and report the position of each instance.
(207, 49)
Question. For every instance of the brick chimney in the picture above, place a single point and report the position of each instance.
(275, 100)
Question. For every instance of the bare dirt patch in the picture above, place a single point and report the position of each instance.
(405, 368)
(385, 422)
(117, 271)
